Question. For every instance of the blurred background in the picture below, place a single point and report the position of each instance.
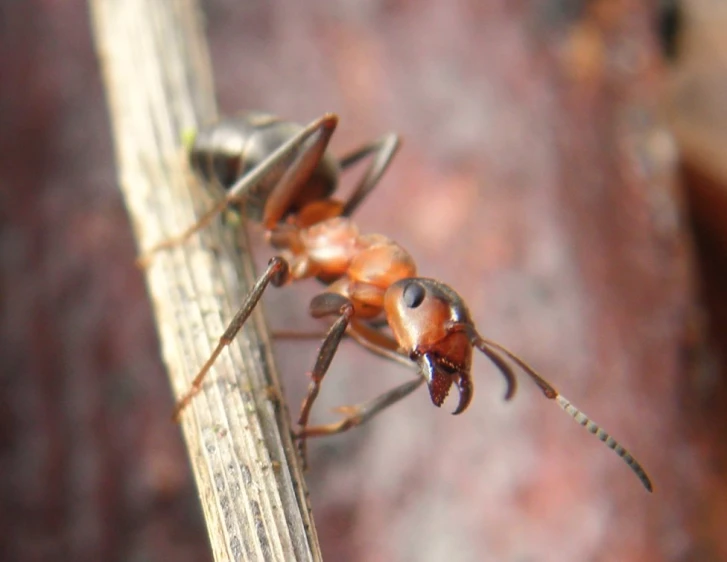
(562, 168)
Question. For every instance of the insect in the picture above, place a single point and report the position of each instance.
(282, 174)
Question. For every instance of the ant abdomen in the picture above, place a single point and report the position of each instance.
(222, 152)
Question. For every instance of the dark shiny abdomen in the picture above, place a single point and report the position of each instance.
(225, 151)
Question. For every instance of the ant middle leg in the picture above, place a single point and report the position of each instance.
(383, 150)
(277, 273)
(371, 336)
(303, 335)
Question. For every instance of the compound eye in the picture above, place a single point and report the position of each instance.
(413, 294)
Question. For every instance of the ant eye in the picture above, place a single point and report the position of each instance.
(413, 295)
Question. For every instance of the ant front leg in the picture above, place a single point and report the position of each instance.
(284, 191)
(277, 273)
(385, 346)
(370, 336)
(384, 150)
(361, 413)
(325, 304)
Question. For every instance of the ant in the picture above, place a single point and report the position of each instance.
(281, 173)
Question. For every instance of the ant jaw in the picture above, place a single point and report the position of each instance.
(440, 375)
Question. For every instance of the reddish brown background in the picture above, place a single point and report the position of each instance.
(536, 177)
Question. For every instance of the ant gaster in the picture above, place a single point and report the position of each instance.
(282, 174)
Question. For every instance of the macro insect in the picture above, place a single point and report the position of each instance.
(282, 174)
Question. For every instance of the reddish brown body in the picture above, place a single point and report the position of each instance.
(376, 275)
(362, 265)
(366, 276)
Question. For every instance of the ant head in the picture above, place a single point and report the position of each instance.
(432, 325)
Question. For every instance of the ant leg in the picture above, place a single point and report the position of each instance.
(361, 413)
(381, 344)
(324, 304)
(285, 190)
(367, 334)
(300, 171)
(276, 273)
(374, 326)
(294, 335)
(384, 150)
(373, 339)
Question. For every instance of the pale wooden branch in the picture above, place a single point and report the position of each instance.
(155, 63)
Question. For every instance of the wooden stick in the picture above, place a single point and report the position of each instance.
(158, 80)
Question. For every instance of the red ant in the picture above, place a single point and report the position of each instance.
(282, 174)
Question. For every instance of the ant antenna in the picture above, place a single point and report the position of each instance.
(488, 347)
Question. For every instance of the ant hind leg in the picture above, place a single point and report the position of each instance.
(284, 191)
(383, 150)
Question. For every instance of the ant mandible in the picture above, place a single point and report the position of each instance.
(281, 173)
